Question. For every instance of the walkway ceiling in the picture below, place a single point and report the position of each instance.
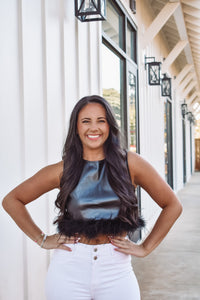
(182, 33)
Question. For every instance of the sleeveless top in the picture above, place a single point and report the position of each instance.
(93, 207)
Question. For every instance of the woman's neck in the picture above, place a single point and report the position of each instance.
(93, 155)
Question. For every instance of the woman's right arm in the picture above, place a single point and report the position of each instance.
(14, 203)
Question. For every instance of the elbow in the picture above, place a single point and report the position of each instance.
(179, 209)
(5, 204)
(175, 208)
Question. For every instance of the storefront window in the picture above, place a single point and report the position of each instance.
(119, 87)
(132, 112)
(130, 46)
(112, 70)
(113, 26)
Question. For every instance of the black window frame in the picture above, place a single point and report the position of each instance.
(122, 54)
(108, 42)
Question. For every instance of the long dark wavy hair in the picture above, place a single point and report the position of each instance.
(115, 159)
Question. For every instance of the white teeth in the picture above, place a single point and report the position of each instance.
(93, 136)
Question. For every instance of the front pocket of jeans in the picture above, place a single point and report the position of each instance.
(120, 256)
(63, 256)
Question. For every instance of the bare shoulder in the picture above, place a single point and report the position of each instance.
(134, 163)
(54, 171)
(51, 174)
(140, 169)
(146, 176)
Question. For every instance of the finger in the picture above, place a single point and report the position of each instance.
(120, 241)
(67, 240)
(125, 251)
(63, 247)
(120, 244)
(119, 238)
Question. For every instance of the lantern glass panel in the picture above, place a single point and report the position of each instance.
(103, 8)
(88, 6)
(90, 10)
(154, 73)
(184, 109)
(166, 87)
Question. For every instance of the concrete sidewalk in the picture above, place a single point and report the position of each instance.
(172, 271)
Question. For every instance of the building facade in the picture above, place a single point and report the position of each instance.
(48, 61)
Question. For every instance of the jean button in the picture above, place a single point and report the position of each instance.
(95, 249)
(95, 257)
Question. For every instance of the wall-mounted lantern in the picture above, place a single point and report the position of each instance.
(190, 117)
(153, 70)
(184, 109)
(133, 6)
(166, 86)
(193, 120)
(90, 10)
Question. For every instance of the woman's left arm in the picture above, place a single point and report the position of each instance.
(144, 175)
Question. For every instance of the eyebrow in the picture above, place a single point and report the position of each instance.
(90, 118)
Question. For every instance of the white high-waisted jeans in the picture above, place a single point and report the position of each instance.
(91, 272)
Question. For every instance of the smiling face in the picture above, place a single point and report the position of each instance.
(93, 129)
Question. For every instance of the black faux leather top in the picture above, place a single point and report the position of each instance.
(93, 207)
(93, 197)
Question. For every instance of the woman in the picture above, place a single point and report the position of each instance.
(97, 209)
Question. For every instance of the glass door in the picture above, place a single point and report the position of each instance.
(133, 136)
(168, 143)
(184, 151)
(133, 125)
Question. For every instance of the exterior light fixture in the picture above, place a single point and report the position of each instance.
(90, 10)
(191, 117)
(153, 70)
(133, 6)
(184, 109)
(193, 121)
(166, 87)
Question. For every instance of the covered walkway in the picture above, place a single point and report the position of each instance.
(172, 271)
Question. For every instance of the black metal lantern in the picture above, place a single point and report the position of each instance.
(166, 86)
(184, 109)
(133, 6)
(153, 70)
(193, 120)
(90, 10)
(189, 116)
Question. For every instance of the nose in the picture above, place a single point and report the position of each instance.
(93, 127)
